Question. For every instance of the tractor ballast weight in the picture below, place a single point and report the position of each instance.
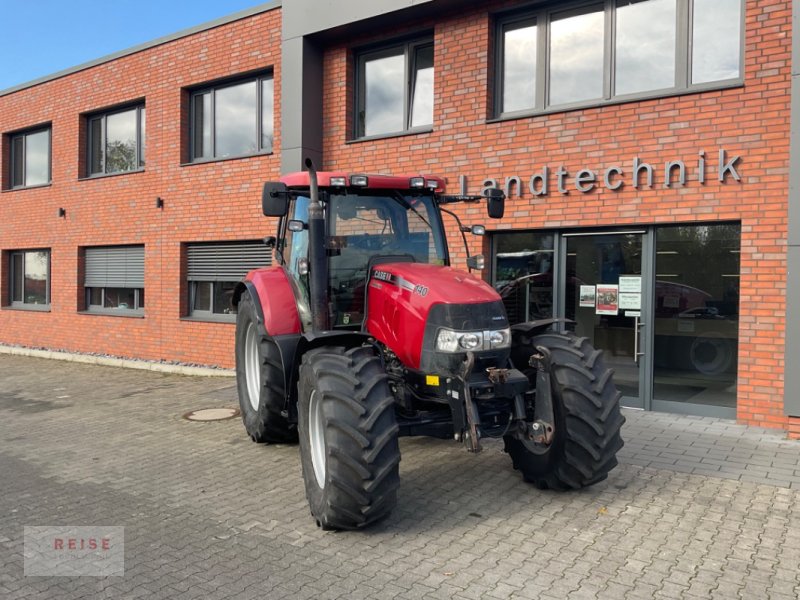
(363, 333)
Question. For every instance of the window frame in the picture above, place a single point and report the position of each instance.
(23, 135)
(542, 18)
(408, 49)
(22, 304)
(211, 90)
(141, 136)
(101, 309)
(208, 315)
(221, 260)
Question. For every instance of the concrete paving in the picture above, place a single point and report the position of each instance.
(698, 508)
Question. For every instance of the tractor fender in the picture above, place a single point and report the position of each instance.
(529, 328)
(275, 301)
(293, 347)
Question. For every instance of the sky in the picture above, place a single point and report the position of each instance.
(41, 37)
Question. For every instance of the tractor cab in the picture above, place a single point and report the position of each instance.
(368, 220)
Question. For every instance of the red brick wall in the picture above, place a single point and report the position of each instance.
(220, 200)
(751, 121)
(203, 202)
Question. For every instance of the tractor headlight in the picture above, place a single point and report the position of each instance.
(500, 338)
(470, 341)
(448, 340)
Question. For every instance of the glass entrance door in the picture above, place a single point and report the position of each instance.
(605, 297)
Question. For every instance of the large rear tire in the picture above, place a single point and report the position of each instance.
(259, 379)
(348, 437)
(586, 413)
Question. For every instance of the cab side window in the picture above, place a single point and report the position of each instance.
(295, 243)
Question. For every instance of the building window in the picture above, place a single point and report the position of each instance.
(395, 89)
(116, 141)
(716, 39)
(30, 278)
(114, 281)
(576, 55)
(697, 313)
(30, 158)
(519, 41)
(527, 258)
(645, 46)
(615, 49)
(235, 119)
(214, 269)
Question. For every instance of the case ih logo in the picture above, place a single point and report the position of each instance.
(421, 290)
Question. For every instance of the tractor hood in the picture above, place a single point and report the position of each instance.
(402, 296)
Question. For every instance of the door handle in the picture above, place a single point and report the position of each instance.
(636, 326)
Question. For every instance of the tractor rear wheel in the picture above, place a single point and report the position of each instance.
(586, 413)
(348, 437)
(259, 379)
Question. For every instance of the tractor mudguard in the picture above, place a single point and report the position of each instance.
(274, 299)
(293, 347)
(536, 327)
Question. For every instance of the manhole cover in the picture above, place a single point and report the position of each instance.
(212, 414)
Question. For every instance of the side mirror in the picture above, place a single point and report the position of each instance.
(495, 203)
(275, 199)
(476, 261)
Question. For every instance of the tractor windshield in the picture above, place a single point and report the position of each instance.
(377, 223)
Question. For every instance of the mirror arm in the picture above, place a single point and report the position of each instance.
(461, 228)
(453, 199)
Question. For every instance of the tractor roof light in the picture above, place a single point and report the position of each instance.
(359, 180)
(338, 181)
(417, 182)
(431, 184)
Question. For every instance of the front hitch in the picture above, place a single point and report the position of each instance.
(472, 435)
(541, 430)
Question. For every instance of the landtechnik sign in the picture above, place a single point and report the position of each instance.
(636, 174)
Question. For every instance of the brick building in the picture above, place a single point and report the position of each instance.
(645, 148)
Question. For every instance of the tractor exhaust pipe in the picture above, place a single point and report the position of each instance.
(317, 256)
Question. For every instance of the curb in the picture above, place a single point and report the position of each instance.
(124, 363)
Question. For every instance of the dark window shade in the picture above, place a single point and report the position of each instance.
(96, 145)
(115, 266)
(225, 262)
(18, 159)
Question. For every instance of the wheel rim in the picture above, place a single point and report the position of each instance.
(316, 438)
(252, 366)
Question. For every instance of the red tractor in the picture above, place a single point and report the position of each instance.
(364, 333)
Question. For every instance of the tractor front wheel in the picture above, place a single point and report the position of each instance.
(348, 437)
(586, 413)
(259, 379)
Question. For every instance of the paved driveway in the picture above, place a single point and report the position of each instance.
(698, 507)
